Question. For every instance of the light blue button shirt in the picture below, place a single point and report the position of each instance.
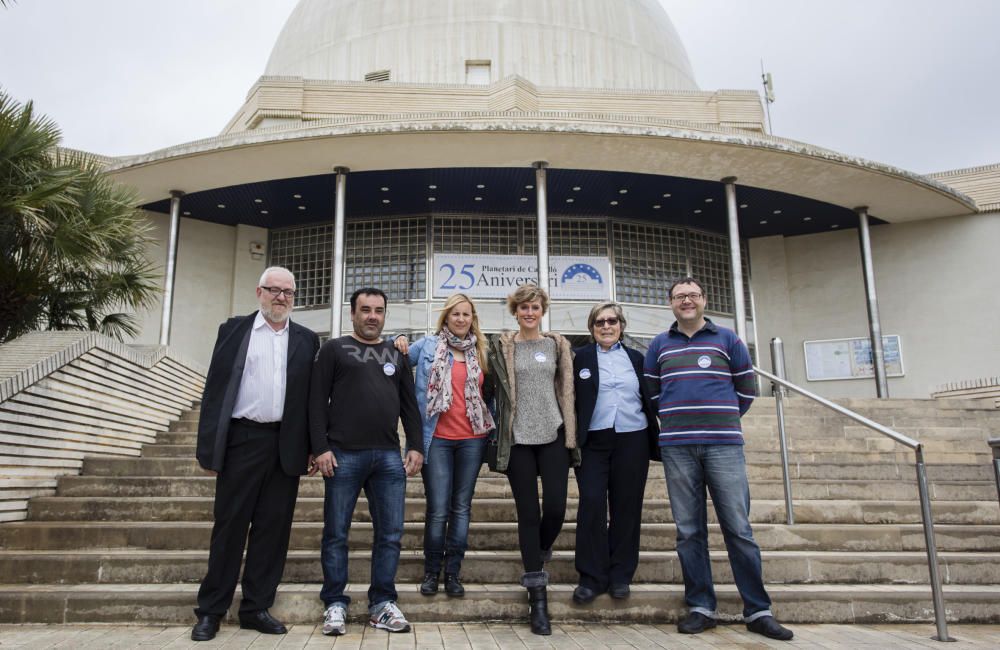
(619, 404)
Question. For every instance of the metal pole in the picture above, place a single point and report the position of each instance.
(874, 324)
(778, 365)
(735, 261)
(932, 561)
(542, 223)
(171, 270)
(337, 280)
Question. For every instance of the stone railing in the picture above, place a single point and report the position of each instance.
(985, 390)
(66, 395)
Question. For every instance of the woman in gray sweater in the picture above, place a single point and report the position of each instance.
(536, 435)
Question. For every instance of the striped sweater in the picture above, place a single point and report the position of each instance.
(701, 385)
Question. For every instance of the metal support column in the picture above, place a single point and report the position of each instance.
(542, 223)
(171, 270)
(994, 444)
(735, 261)
(937, 596)
(874, 324)
(778, 366)
(337, 279)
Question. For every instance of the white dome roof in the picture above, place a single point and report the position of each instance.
(628, 44)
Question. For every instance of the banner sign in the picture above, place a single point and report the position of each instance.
(496, 276)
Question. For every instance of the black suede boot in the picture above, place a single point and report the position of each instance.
(538, 611)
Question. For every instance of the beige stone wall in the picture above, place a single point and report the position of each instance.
(292, 101)
(203, 285)
(937, 283)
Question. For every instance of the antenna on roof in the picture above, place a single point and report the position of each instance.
(768, 83)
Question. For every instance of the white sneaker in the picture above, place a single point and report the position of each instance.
(389, 618)
(335, 620)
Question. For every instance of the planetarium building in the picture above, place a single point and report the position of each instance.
(433, 146)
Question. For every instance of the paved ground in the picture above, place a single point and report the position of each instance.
(498, 636)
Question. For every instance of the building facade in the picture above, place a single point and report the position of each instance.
(427, 120)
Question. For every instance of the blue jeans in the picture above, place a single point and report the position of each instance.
(449, 480)
(380, 473)
(690, 469)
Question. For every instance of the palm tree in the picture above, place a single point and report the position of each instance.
(71, 240)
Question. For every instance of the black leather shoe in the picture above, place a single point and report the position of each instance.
(620, 591)
(767, 626)
(583, 595)
(262, 622)
(696, 623)
(538, 611)
(453, 586)
(206, 628)
(429, 586)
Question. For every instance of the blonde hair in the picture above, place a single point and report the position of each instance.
(453, 301)
(527, 293)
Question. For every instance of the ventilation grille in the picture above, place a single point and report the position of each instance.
(378, 75)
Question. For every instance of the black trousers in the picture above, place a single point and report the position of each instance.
(612, 477)
(538, 529)
(251, 492)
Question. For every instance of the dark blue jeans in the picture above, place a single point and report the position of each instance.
(450, 475)
(690, 469)
(380, 473)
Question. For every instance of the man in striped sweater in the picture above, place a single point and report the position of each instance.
(703, 381)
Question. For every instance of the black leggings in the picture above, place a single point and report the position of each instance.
(537, 530)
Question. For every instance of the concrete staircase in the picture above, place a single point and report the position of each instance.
(127, 539)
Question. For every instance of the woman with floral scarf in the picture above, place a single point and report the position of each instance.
(451, 368)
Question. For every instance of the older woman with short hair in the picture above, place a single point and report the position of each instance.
(617, 433)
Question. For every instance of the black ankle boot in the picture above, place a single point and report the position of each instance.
(429, 585)
(538, 611)
(453, 586)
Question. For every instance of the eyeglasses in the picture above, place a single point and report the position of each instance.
(681, 297)
(274, 291)
(610, 322)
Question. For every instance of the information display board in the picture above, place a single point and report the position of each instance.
(496, 276)
(831, 359)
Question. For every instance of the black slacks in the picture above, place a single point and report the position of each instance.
(611, 477)
(251, 492)
(538, 529)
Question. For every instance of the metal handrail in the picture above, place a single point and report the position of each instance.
(925, 502)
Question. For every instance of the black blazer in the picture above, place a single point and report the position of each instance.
(585, 357)
(223, 382)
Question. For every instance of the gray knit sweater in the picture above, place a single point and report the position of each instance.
(537, 417)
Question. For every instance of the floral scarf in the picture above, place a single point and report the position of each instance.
(439, 384)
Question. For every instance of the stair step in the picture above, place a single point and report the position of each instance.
(503, 567)
(299, 604)
(186, 535)
(654, 510)
(831, 471)
(498, 487)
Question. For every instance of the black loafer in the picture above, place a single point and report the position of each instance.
(206, 628)
(620, 591)
(583, 595)
(696, 623)
(262, 622)
(767, 626)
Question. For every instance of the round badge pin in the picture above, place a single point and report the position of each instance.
(389, 370)
(584, 373)
(704, 361)
(540, 357)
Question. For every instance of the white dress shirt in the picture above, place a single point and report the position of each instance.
(261, 396)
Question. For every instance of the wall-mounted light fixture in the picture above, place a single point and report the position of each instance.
(256, 250)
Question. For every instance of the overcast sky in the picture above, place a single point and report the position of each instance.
(912, 83)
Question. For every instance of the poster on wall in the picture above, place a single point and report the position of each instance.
(850, 358)
(496, 276)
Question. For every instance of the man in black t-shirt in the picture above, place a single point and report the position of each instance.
(361, 387)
